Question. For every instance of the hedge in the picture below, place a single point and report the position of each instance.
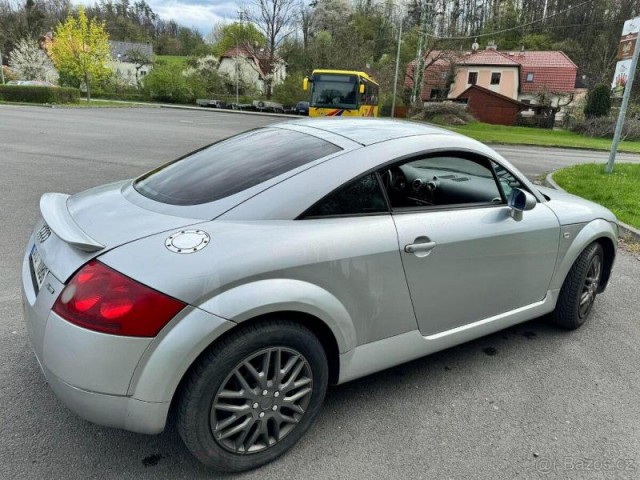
(36, 94)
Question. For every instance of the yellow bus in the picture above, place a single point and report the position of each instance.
(342, 93)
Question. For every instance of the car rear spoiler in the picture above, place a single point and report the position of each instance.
(53, 207)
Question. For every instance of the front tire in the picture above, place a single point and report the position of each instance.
(253, 395)
(578, 292)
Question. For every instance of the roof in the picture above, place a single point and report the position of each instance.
(486, 57)
(552, 70)
(504, 98)
(367, 131)
(120, 50)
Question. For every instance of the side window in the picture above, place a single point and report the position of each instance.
(507, 181)
(361, 196)
(441, 181)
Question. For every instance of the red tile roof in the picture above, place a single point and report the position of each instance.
(486, 57)
(551, 70)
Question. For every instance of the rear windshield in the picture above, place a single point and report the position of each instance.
(231, 166)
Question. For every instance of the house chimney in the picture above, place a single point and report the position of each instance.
(492, 45)
(475, 46)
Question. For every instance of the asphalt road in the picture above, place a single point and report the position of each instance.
(514, 404)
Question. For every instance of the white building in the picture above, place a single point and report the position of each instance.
(123, 61)
(252, 67)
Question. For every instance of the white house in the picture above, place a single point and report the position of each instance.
(252, 67)
(123, 60)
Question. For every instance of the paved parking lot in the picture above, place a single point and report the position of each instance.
(515, 404)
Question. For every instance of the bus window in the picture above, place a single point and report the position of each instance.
(335, 91)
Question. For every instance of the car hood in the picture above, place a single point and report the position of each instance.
(93, 222)
(573, 209)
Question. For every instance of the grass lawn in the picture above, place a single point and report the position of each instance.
(173, 60)
(83, 104)
(619, 192)
(102, 104)
(502, 134)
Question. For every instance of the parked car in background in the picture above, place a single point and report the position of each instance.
(302, 108)
(32, 83)
(267, 106)
(203, 102)
(240, 281)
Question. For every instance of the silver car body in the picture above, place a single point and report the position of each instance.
(349, 278)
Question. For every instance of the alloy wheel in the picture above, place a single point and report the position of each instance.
(590, 286)
(262, 400)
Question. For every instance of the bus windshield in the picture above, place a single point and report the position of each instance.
(334, 91)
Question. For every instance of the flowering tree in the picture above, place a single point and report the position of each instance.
(28, 62)
(80, 49)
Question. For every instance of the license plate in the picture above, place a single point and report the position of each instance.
(40, 270)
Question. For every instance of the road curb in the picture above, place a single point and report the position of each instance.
(224, 110)
(625, 230)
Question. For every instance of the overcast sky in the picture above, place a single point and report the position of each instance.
(202, 14)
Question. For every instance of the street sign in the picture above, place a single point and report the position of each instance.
(623, 81)
(626, 49)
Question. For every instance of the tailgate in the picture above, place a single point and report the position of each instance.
(75, 229)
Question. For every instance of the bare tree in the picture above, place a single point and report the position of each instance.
(305, 15)
(275, 18)
(139, 59)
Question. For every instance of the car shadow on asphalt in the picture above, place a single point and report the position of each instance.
(164, 455)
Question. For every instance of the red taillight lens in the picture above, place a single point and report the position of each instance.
(101, 299)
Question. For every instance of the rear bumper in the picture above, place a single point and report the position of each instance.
(116, 381)
(116, 411)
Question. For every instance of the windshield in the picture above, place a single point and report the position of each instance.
(231, 166)
(335, 91)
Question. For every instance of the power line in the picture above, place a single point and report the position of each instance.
(543, 19)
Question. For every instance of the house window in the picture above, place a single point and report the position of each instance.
(530, 77)
(495, 78)
(473, 78)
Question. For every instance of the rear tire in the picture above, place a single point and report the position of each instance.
(238, 377)
(578, 292)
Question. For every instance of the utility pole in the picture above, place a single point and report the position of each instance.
(422, 43)
(241, 14)
(395, 77)
(623, 108)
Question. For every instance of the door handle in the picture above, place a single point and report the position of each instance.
(421, 247)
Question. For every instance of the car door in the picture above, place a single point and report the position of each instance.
(466, 258)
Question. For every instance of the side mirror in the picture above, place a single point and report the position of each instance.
(305, 84)
(520, 201)
(362, 88)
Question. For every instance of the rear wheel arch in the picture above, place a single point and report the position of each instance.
(314, 324)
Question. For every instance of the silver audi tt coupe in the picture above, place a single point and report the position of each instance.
(234, 284)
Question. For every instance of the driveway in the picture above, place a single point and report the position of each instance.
(515, 404)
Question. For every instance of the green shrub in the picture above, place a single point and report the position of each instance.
(168, 84)
(598, 102)
(36, 94)
(290, 91)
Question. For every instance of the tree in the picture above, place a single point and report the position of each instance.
(237, 33)
(275, 19)
(80, 49)
(598, 102)
(139, 59)
(30, 63)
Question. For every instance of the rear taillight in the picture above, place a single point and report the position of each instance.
(101, 299)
